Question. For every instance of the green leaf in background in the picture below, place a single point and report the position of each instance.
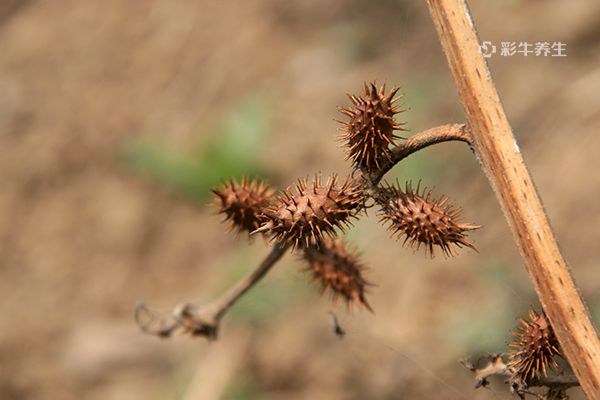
(231, 152)
(244, 388)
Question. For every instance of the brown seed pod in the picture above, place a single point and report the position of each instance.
(423, 220)
(370, 131)
(535, 347)
(242, 203)
(304, 217)
(338, 271)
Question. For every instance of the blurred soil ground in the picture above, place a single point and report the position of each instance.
(116, 117)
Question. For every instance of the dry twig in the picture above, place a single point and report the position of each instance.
(501, 160)
(439, 134)
(204, 320)
(301, 219)
(496, 366)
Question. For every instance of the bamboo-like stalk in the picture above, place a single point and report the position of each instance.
(501, 160)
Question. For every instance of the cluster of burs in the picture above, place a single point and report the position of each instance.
(309, 217)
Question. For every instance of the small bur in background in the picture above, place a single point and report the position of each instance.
(534, 348)
(527, 365)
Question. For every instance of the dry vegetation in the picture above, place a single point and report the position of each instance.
(113, 120)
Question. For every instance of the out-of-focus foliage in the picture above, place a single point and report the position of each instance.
(245, 388)
(231, 150)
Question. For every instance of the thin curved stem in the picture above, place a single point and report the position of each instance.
(204, 320)
(439, 134)
(229, 298)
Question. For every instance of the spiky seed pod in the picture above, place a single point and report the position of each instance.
(242, 203)
(369, 133)
(535, 347)
(304, 217)
(422, 219)
(338, 271)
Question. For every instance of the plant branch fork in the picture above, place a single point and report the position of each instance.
(204, 320)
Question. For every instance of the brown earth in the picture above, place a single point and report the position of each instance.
(84, 235)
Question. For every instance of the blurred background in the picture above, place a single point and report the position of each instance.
(116, 119)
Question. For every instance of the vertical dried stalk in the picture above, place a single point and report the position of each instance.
(499, 155)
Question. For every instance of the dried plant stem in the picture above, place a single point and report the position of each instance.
(229, 298)
(501, 160)
(204, 320)
(559, 381)
(439, 134)
(497, 366)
